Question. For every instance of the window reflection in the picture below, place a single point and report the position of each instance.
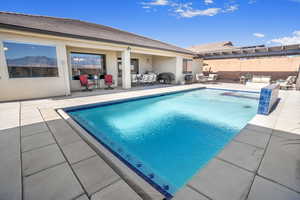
(84, 63)
(29, 60)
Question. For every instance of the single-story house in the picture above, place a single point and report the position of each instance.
(231, 62)
(43, 56)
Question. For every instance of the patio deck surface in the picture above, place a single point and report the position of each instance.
(43, 157)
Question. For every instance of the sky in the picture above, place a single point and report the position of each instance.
(182, 22)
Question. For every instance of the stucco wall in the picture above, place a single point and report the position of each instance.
(164, 64)
(28, 88)
(145, 62)
(232, 69)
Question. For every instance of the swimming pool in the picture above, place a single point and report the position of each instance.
(167, 139)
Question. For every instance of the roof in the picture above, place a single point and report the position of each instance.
(79, 29)
(211, 47)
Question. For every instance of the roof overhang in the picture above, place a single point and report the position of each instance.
(59, 34)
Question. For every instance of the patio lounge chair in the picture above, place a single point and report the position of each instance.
(148, 78)
(288, 83)
(108, 80)
(84, 82)
(152, 78)
(212, 77)
(244, 78)
(200, 78)
(259, 82)
(144, 79)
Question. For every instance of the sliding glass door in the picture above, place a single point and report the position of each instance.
(86, 63)
(134, 66)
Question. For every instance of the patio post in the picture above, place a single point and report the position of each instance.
(178, 70)
(63, 66)
(126, 79)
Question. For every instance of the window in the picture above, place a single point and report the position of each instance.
(84, 63)
(29, 60)
(187, 65)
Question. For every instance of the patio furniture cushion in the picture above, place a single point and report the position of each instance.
(212, 77)
(261, 79)
(201, 78)
(108, 78)
(84, 81)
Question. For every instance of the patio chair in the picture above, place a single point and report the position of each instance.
(288, 83)
(144, 79)
(200, 78)
(154, 78)
(84, 82)
(139, 77)
(259, 81)
(212, 77)
(151, 78)
(108, 80)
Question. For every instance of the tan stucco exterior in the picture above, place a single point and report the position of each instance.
(29, 88)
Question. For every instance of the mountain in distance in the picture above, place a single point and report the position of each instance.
(32, 61)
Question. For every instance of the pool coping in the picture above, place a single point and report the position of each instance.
(149, 188)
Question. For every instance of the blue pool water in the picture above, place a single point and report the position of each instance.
(167, 139)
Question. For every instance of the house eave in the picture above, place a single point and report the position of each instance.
(59, 34)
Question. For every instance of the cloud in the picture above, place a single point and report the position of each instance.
(188, 13)
(259, 35)
(187, 9)
(231, 8)
(208, 2)
(157, 3)
(293, 39)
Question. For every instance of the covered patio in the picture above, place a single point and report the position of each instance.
(129, 68)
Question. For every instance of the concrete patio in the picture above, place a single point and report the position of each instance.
(43, 157)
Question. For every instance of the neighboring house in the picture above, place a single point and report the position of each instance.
(231, 62)
(202, 48)
(42, 56)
